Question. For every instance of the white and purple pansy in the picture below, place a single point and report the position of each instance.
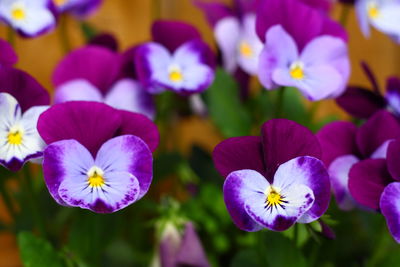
(381, 14)
(350, 153)
(78, 8)
(29, 18)
(184, 64)
(275, 180)
(102, 167)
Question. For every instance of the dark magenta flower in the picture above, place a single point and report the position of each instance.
(182, 63)
(363, 103)
(275, 180)
(22, 100)
(79, 8)
(8, 57)
(303, 49)
(27, 17)
(348, 151)
(94, 73)
(98, 157)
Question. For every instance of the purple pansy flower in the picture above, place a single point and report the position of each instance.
(235, 33)
(347, 149)
(275, 180)
(96, 164)
(381, 14)
(27, 17)
(8, 57)
(93, 73)
(314, 60)
(78, 8)
(22, 100)
(363, 103)
(182, 63)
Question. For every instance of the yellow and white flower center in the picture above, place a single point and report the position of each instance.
(60, 2)
(373, 10)
(18, 11)
(297, 70)
(273, 197)
(175, 74)
(15, 135)
(95, 177)
(245, 49)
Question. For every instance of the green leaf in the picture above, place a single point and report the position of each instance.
(225, 108)
(37, 252)
(246, 258)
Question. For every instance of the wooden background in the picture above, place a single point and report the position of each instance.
(130, 20)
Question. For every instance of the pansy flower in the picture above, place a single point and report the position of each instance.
(348, 150)
(27, 17)
(275, 180)
(235, 33)
(182, 63)
(98, 158)
(94, 73)
(381, 14)
(363, 103)
(80, 8)
(303, 49)
(22, 100)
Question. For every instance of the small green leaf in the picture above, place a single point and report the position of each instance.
(225, 108)
(37, 252)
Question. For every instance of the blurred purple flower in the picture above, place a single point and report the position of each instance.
(381, 14)
(27, 17)
(98, 157)
(348, 153)
(303, 48)
(79, 8)
(22, 100)
(182, 63)
(275, 180)
(94, 73)
(8, 57)
(363, 103)
(186, 250)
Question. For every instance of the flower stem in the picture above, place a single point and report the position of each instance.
(7, 201)
(63, 32)
(11, 36)
(344, 16)
(280, 102)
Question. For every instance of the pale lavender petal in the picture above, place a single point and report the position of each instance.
(75, 90)
(388, 20)
(380, 152)
(393, 94)
(339, 174)
(239, 187)
(362, 16)
(279, 51)
(390, 207)
(128, 94)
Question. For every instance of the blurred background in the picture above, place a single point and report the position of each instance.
(130, 20)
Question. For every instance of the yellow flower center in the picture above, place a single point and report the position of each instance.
(373, 11)
(18, 13)
(175, 75)
(274, 197)
(60, 2)
(245, 49)
(14, 137)
(95, 177)
(296, 71)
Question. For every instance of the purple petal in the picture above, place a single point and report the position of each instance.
(128, 63)
(191, 252)
(360, 102)
(244, 7)
(140, 126)
(337, 139)
(76, 90)
(339, 173)
(238, 153)
(239, 187)
(195, 51)
(279, 51)
(390, 207)
(322, 5)
(169, 245)
(393, 156)
(24, 88)
(310, 172)
(80, 8)
(367, 179)
(371, 77)
(284, 140)
(106, 40)
(64, 160)
(182, 33)
(381, 127)
(8, 57)
(214, 12)
(79, 120)
(98, 65)
(127, 154)
(393, 94)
